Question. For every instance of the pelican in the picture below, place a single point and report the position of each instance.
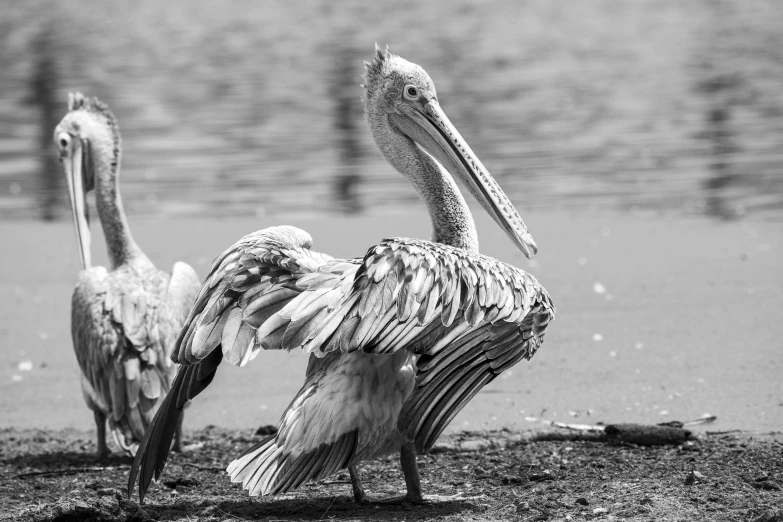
(399, 340)
(124, 320)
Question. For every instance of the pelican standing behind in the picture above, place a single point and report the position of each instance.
(124, 321)
(400, 340)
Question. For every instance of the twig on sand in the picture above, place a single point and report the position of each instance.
(327, 509)
(576, 427)
(726, 432)
(705, 419)
(583, 436)
(60, 472)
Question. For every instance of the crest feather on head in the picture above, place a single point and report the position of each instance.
(79, 102)
(381, 55)
(375, 66)
(374, 71)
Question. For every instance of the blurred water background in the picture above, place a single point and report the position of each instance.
(252, 108)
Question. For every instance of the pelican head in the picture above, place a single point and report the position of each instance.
(400, 98)
(86, 137)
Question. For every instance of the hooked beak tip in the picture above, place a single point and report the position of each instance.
(529, 246)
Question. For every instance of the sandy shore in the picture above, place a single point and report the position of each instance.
(659, 318)
(48, 476)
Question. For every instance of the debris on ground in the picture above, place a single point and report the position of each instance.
(693, 477)
(671, 432)
(644, 435)
(48, 476)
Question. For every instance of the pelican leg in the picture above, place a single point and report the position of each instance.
(100, 424)
(356, 483)
(411, 472)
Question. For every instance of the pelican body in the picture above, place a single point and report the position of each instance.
(399, 340)
(124, 320)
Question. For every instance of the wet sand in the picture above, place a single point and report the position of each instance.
(659, 318)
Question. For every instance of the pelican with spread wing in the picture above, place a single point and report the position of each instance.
(399, 340)
(125, 320)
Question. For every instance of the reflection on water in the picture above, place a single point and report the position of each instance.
(719, 132)
(347, 120)
(44, 96)
(722, 90)
(669, 106)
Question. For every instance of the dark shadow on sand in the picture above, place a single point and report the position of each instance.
(67, 462)
(340, 507)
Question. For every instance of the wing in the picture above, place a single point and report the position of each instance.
(268, 290)
(449, 376)
(94, 338)
(119, 350)
(469, 316)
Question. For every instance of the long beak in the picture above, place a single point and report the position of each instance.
(433, 131)
(75, 175)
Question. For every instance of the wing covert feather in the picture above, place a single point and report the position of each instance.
(267, 291)
(468, 316)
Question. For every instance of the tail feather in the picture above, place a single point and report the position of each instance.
(239, 467)
(265, 469)
(338, 459)
(317, 463)
(295, 474)
(124, 442)
(129, 430)
(259, 481)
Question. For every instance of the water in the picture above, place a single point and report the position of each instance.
(655, 105)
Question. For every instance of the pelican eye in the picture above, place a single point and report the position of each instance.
(411, 92)
(63, 140)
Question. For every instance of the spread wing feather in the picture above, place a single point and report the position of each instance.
(470, 317)
(266, 291)
(267, 468)
(467, 316)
